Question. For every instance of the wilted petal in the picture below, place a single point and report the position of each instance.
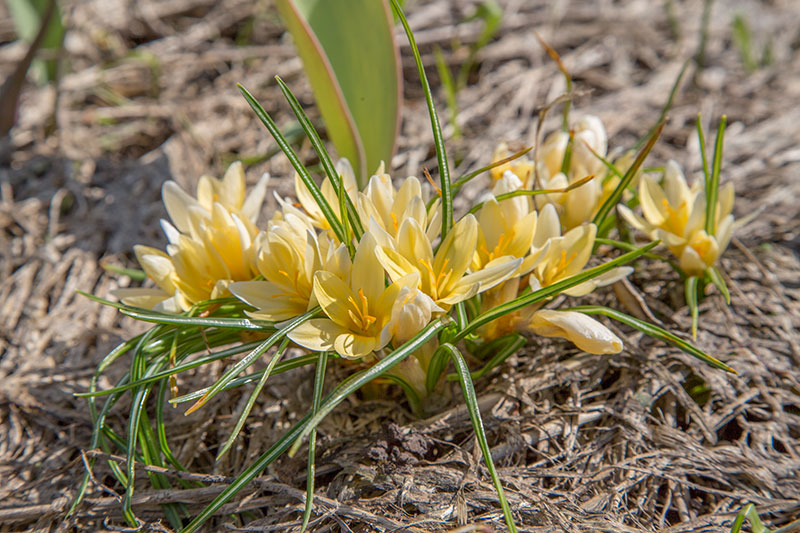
(586, 333)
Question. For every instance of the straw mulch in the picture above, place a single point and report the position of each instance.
(583, 443)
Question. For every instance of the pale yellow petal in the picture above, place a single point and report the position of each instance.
(494, 272)
(367, 273)
(726, 197)
(352, 346)
(691, 262)
(252, 205)
(635, 220)
(271, 301)
(177, 203)
(675, 187)
(140, 297)
(413, 244)
(548, 226)
(653, 199)
(335, 297)
(318, 334)
(232, 190)
(586, 333)
(455, 252)
(157, 265)
(395, 264)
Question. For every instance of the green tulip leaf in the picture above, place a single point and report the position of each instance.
(352, 62)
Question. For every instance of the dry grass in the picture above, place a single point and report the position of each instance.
(584, 443)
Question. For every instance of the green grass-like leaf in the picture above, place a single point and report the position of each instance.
(550, 290)
(324, 157)
(612, 200)
(357, 380)
(252, 399)
(438, 138)
(667, 105)
(250, 358)
(471, 400)
(301, 170)
(653, 331)
(691, 301)
(716, 278)
(304, 426)
(511, 344)
(701, 137)
(712, 190)
(319, 381)
(280, 368)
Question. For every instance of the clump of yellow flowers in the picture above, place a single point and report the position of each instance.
(400, 278)
(390, 282)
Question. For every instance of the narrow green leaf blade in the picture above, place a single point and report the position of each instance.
(286, 148)
(438, 138)
(653, 331)
(324, 157)
(319, 381)
(612, 200)
(471, 399)
(719, 282)
(691, 301)
(357, 380)
(712, 190)
(252, 399)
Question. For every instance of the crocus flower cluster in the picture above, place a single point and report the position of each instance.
(554, 168)
(388, 283)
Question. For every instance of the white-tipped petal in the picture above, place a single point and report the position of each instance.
(586, 333)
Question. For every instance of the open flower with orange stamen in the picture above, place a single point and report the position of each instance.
(675, 213)
(443, 275)
(358, 306)
(212, 243)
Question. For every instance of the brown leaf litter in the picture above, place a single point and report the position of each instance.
(582, 442)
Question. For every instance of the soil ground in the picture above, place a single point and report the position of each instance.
(582, 442)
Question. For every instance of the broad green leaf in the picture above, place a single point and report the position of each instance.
(351, 60)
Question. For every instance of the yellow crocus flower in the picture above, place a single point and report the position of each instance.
(442, 276)
(307, 202)
(521, 167)
(388, 206)
(288, 259)
(675, 214)
(211, 243)
(506, 228)
(358, 307)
